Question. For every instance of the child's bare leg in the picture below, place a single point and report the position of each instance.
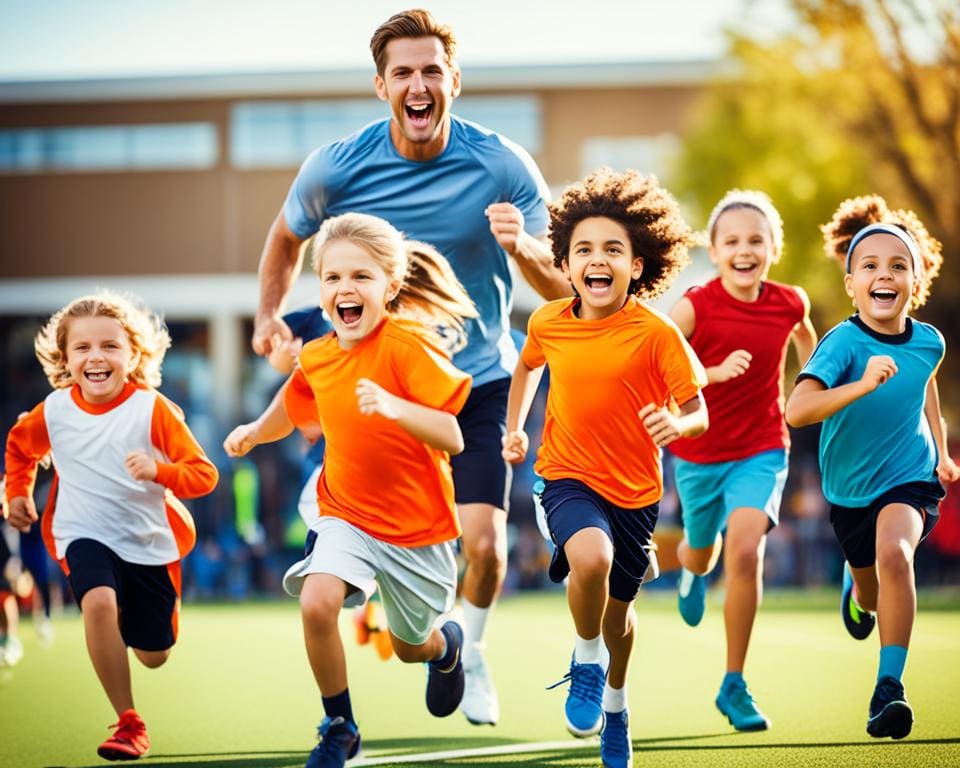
(321, 599)
(619, 628)
(899, 528)
(590, 555)
(701, 560)
(105, 645)
(743, 569)
(430, 650)
(152, 659)
(867, 586)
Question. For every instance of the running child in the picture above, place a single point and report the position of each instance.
(386, 516)
(730, 481)
(623, 383)
(122, 454)
(883, 448)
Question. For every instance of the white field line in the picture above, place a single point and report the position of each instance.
(452, 754)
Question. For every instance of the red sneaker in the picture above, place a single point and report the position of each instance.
(129, 741)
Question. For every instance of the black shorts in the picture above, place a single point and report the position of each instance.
(571, 506)
(480, 474)
(856, 527)
(147, 597)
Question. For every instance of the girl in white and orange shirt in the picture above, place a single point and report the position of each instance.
(122, 454)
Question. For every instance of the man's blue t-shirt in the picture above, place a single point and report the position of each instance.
(441, 202)
(882, 439)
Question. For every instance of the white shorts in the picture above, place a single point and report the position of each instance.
(307, 505)
(417, 584)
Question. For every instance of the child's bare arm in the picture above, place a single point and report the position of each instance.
(665, 427)
(436, 428)
(947, 469)
(273, 424)
(811, 402)
(523, 388)
(804, 336)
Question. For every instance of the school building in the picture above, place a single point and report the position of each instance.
(166, 187)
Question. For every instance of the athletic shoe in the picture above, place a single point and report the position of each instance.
(445, 686)
(616, 749)
(479, 705)
(736, 702)
(890, 715)
(692, 596)
(584, 706)
(339, 741)
(652, 573)
(129, 741)
(43, 628)
(11, 653)
(859, 623)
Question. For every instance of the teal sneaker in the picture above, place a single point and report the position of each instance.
(692, 596)
(859, 623)
(736, 702)
(890, 715)
(616, 749)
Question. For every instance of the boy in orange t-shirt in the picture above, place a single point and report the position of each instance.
(386, 395)
(623, 383)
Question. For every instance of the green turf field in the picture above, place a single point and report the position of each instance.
(237, 692)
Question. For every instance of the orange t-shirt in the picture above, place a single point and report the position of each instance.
(602, 372)
(376, 475)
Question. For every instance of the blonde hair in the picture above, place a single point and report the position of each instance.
(430, 292)
(758, 201)
(855, 213)
(146, 331)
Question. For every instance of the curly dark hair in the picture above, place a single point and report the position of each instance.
(646, 210)
(856, 213)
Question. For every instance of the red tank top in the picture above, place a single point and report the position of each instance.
(746, 413)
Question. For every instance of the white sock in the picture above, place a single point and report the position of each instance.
(591, 651)
(474, 626)
(614, 699)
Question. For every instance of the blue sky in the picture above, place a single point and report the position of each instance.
(57, 39)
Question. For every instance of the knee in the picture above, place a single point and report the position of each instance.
(100, 603)
(485, 550)
(894, 558)
(592, 566)
(152, 659)
(743, 561)
(320, 613)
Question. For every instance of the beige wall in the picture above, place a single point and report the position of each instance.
(203, 221)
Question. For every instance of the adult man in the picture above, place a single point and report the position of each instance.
(477, 198)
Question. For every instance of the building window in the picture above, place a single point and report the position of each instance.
(646, 154)
(109, 148)
(266, 134)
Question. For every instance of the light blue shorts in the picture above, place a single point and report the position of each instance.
(710, 492)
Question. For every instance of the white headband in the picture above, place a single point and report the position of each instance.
(887, 229)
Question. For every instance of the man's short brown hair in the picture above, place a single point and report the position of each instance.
(413, 23)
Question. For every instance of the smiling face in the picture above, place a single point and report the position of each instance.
(601, 265)
(354, 291)
(742, 249)
(420, 85)
(99, 357)
(881, 282)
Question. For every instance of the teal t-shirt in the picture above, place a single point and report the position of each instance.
(881, 440)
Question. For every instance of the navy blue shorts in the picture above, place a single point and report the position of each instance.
(146, 596)
(480, 475)
(856, 527)
(571, 506)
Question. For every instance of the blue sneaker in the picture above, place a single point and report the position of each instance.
(339, 741)
(736, 702)
(584, 705)
(445, 686)
(859, 623)
(692, 596)
(890, 715)
(616, 749)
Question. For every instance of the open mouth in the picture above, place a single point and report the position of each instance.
(744, 268)
(884, 296)
(419, 114)
(96, 376)
(598, 282)
(350, 312)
